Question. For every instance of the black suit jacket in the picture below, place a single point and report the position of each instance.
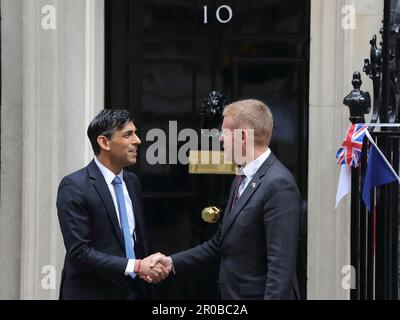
(95, 259)
(256, 243)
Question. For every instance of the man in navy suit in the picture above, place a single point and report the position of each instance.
(256, 243)
(101, 218)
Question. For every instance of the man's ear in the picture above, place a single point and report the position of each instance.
(103, 142)
(245, 135)
(248, 135)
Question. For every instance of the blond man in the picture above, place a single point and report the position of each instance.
(256, 243)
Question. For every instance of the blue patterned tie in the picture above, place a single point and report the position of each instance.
(123, 217)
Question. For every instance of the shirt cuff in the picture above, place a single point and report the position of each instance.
(130, 267)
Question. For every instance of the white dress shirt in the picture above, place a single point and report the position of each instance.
(250, 170)
(109, 177)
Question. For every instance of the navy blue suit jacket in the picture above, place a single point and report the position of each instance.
(95, 259)
(256, 243)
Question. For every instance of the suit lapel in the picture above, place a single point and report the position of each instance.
(247, 193)
(104, 193)
(251, 188)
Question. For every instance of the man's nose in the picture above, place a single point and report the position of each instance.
(137, 140)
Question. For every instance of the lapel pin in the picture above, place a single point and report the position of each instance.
(253, 185)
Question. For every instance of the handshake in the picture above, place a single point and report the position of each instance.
(154, 268)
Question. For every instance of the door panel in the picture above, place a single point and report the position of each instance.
(162, 60)
(272, 17)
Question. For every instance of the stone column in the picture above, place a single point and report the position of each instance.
(11, 146)
(62, 89)
(336, 52)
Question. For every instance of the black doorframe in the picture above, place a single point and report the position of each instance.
(119, 97)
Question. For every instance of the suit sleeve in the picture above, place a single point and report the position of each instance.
(75, 227)
(198, 259)
(281, 223)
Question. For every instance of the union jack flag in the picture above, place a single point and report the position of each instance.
(350, 151)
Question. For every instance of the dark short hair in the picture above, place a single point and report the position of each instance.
(105, 124)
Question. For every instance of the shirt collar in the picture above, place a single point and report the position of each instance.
(250, 169)
(107, 173)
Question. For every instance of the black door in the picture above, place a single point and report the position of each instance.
(163, 57)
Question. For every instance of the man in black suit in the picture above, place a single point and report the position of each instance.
(256, 243)
(101, 218)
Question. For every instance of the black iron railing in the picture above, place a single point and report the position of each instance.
(375, 233)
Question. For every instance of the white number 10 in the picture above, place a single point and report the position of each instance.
(218, 14)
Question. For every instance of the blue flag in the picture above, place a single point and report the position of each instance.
(378, 173)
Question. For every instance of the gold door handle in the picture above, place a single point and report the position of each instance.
(211, 214)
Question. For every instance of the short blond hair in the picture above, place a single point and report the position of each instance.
(252, 114)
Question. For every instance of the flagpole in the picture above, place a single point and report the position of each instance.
(382, 155)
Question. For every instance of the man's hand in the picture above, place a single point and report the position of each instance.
(152, 272)
(158, 261)
(159, 258)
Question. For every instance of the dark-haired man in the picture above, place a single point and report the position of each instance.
(101, 220)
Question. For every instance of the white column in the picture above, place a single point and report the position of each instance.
(336, 53)
(11, 146)
(95, 60)
(61, 89)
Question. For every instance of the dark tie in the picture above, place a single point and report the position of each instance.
(130, 253)
(238, 181)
